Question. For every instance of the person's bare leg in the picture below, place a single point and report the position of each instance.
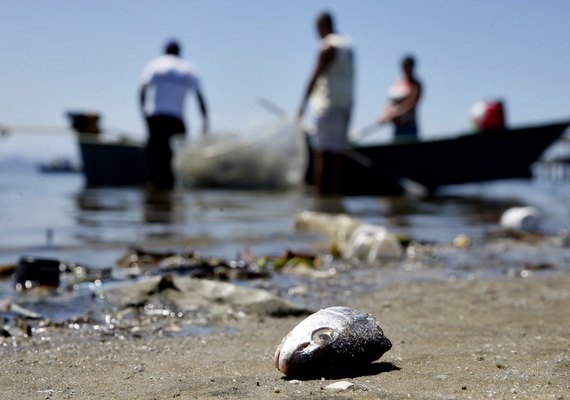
(327, 173)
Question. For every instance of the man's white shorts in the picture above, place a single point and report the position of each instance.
(332, 129)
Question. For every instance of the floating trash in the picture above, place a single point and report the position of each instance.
(462, 241)
(526, 219)
(351, 237)
(34, 272)
(372, 243)
(190, 263)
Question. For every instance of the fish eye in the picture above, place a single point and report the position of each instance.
(323, 335)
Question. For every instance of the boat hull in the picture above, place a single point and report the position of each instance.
(474, 157)
(109, 164)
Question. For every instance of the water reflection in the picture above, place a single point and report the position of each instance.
(234, 218)
(108, 215)
(129, 214)
(159, 206)
(106, 200)
(329, 205)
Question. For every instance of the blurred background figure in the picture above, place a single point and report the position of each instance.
(167, 78)
(404, 97)
(330, 88)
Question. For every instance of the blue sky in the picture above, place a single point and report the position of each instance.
(88, 55)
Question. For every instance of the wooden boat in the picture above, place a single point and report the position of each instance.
(112, 162)
(368, 170)
(107, 162)
(466, 158)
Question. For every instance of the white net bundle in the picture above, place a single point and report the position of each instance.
(272, 157)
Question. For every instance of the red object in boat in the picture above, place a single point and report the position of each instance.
(493, 117)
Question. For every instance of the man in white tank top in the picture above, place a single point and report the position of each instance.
(165, 82)
(330, 89)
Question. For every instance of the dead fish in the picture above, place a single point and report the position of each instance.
(335, 338)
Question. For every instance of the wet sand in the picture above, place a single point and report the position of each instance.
(465, 339)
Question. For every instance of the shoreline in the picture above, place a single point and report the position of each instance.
(476, 339)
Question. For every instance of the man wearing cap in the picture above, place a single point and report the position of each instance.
(165, 82)
(330, 89)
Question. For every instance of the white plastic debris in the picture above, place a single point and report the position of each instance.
(338, 227)
(373, 243)
(353, 238)
(525, 219)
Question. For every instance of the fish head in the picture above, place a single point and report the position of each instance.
(303, 345)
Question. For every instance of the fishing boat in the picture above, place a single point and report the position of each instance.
(107, 162)
(112, 162)
(59, 166)
(380, 169)
(476, 156)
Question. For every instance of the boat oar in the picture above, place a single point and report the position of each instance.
(359, 158)
(32, 129)
(273, 108)
(360, 134)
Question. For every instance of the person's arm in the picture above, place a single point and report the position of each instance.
(325, 58)
(411, 101)
(203, 111)
(394, 111)
(387, 114)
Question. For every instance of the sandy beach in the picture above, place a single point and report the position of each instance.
(464, 339)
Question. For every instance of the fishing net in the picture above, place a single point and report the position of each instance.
(271, 157)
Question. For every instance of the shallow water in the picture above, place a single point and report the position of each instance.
(51, 215)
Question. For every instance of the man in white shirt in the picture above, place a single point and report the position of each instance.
(165, 82)
(330, 89)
